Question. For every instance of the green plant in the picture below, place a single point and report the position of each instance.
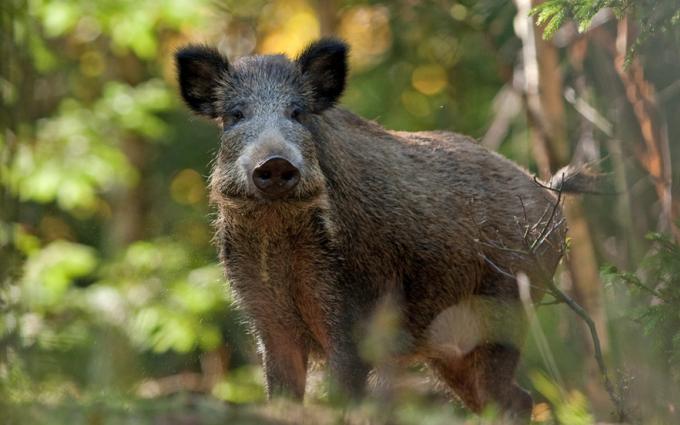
(653, 17)
(655, 287)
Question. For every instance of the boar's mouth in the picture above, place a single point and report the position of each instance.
(229, 192)
(233, 185)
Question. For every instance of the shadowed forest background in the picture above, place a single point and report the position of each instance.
(113, 308)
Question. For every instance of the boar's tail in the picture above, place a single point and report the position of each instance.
(581, 179)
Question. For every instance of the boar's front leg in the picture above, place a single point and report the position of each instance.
(285, 364)
(349, 372)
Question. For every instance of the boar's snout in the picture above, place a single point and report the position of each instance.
(275, 177)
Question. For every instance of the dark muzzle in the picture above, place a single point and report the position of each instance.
(275, 177)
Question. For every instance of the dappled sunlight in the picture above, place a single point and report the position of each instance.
(415, 103)
(287, 27)
(367, 30)
(188, 187)
(429, 79)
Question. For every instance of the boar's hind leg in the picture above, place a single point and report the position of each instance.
(485, 376)
(285, 365)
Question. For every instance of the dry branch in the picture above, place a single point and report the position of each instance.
(654, 154)
(545, 226)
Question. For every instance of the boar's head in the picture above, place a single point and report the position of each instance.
(267, 107)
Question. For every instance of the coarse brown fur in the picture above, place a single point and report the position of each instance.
(431, 220)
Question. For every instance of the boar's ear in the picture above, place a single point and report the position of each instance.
(199, 69)
(324, 69)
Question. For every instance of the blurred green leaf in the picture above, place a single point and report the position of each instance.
(243, 385)
(58, 16)
(570, 407)
(50, 272)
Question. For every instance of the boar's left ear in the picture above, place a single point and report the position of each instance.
(199, 69)
(324, 69)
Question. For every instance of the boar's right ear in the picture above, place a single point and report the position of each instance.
(199, 69)
(324, 69)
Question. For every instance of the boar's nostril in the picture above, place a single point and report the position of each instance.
(276, 177)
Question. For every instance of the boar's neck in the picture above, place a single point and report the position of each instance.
(277, 265)
(365, 167)
(367, 175)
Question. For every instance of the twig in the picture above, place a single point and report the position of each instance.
(604, 375)
(576, 308)
(531, 248)
(495, 267)
(589, 112)
(548, 228)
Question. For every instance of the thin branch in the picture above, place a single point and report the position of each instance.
(604, 375)
(502, 248)
(496, 267)
(547, 228)
(589, 112)
(531, 247)
(576, 308)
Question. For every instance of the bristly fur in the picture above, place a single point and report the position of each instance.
(430, 221)
(581, 179)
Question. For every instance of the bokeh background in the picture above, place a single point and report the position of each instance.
(113, 308)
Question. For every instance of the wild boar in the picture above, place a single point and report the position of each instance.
(322, 215)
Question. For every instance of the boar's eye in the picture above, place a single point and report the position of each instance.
(296, 113)
(236, 115)
(232, 117)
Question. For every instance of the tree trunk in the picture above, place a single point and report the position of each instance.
(654, 155)
(131, 204)
(543, 90)
(326, 11)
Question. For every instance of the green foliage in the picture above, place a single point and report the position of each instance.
(116, 410)
(570, 408)
(164, 303)
(554, 13)
(655, 287)
(653, 17)
(69, 161)
(50, 272)
(152, 294)
(131, 26)
(81, 309)
(244, 385)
